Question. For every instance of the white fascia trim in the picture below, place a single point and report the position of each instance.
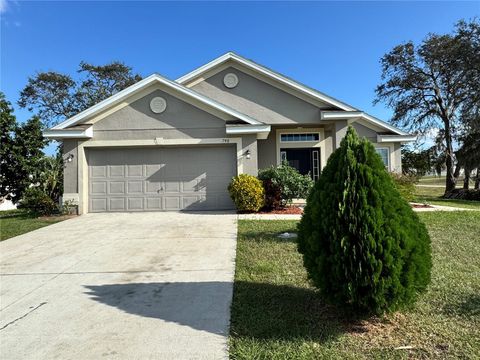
(248, 129)
(267, 72)
(345, 115)
(69, 134)
(395, 138)
(121, 95)
(262, 131)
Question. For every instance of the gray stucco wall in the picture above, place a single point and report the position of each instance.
(180, 120)
(397, 154)
(267, 151)
(259, 100)
(70, 172)
(250, 166)
(365, 132)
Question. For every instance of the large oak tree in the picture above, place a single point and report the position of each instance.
(55, 97)
(436, 85)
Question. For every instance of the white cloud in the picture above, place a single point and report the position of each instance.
(3, 6)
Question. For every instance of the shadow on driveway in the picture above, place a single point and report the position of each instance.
(200, 305)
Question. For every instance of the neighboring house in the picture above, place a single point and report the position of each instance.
(175, 145)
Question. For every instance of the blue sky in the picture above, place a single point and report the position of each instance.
(332, 46)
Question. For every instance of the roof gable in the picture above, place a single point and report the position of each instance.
(281, 79)
(221, 62)
(174, 87)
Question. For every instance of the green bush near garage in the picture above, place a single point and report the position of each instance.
(286, 183)
(247, 193)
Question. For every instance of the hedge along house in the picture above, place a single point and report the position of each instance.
(175, 145)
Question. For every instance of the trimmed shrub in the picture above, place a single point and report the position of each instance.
(37, 201)
(291, 183)
(273, 195)
(247, 192)
(362, 244)
(405, 185)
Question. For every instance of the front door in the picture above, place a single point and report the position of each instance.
(305, 160)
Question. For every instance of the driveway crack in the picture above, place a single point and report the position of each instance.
(23, 316)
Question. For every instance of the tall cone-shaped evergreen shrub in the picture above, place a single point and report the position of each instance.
(362, 244)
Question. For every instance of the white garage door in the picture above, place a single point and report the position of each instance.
(169, 178)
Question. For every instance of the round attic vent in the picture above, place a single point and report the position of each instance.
(230, 80)
(158, 105)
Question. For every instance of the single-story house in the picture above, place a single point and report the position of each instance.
(175, 145)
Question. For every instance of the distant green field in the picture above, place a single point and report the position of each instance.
(432, 195)
(435, 180)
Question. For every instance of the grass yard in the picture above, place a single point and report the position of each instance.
(431, 195)
(440, 181)
(276, 314)
(18, 222)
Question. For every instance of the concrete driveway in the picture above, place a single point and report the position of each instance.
(123, 286)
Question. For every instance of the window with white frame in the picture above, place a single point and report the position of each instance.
(297, 137)
(384, 154)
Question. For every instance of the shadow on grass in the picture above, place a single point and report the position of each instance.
(281, 312)
(259, 310)
(17, 214)
(468, 306)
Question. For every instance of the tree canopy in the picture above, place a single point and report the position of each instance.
(55, 97)
(21, 152)
(435, 84)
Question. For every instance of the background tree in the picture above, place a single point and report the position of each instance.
(416, 163)
(21, 152)
(55, 97)
(435, 84)
(468, 158)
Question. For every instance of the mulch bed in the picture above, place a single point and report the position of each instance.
(421, 206)
(289, 210)
(56, 217)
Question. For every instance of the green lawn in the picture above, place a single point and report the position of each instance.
(276, 314)
(432, 195)
(435, 180)
(17, 222)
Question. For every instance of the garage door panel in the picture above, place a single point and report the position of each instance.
(171, 186)
(99, 205)
(116, 188)
(117, 204)
(171, 202)
(153, 187)
(135, 203)
(116, 170)
(98, 188)
(135, 187)
(98, 171)
(152, 170)
(134, 170)
(176, 178)
(154, 203)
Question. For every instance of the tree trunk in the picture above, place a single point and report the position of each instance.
(466, 179)
(477, 180)
(450, 179)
